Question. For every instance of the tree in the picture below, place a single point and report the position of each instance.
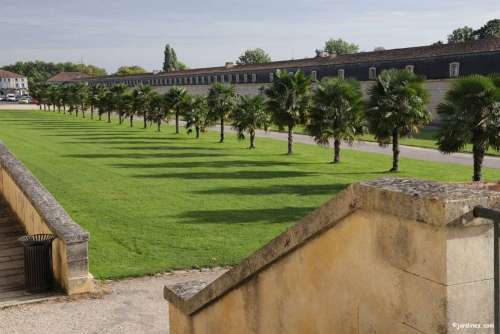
(171, 63)
(250, 114)
(461, 35)
(337, 113)
(397, 107)
(127, 70)
(490, 30)
(96, 91)
(289, 99)
(470, 114)
(142, 102)
(339, 47)
(196, 115)
(117, 92)
(175, 101)
(221, 102)
(158, 113)
(254, 56)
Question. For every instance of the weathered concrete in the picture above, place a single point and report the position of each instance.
(385, 256)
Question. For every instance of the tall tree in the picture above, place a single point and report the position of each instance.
(254, 56)
(196, 114)
(127, 70)
(337, 113)
(117, 92)
(470, 114)
(289, 99)
(490, 30)
(170, 62)
(175, 100)
(250, 114)
(339, 47)
(397, 108)
(221, 102)
(142, 101)
(461, 35)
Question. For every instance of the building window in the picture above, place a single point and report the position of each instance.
(214, 78)
(314, 75)
(237, 77)
(271, 77)
(222, 78)
(203, 80)
(372, 73)
(245, 77)
(254, 77)
(229, 77)
(454, 69)
(341, 74)
(410, 68)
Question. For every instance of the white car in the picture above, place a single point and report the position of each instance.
(10, 98)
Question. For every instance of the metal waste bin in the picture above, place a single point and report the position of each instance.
(38, 262)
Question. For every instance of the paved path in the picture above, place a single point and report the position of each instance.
(133, 306)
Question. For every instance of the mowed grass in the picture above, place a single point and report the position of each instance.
(158, 201)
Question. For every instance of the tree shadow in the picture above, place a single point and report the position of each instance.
(205, 164)
(227, 175)
(292, 189)
(140, 155)
(167, 148)
(245, 216)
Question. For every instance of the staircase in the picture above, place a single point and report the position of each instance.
(11, 254)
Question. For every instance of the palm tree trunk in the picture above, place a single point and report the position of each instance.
(109, 116)
(221, 130)
(145, 121)
(59, 109)
(252, 139)
(40, 106)
(176, 122)
(197, 128)
(120, 121)
(290, 139)
(159, 124)
(64, 108)
(395, 150)
(478, 154)
(100, 115)
(131, 120)
(91, 112)
(83, 111)
(336, 150)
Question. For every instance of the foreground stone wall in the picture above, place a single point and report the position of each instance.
(386, 256)
(40, 213)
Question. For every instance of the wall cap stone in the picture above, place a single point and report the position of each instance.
(56, 218)
(423, 201)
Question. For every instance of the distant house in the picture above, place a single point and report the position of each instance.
(66, 77)
(13, 83)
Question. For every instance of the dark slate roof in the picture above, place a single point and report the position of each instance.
(68, 76)
(8, 74)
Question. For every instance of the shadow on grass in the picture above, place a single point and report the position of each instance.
(140, 155)
(168, 148)
(292, 189)
(227, 175)
(231, 216)
(208, 164)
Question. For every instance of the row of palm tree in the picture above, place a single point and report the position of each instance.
(334, 112)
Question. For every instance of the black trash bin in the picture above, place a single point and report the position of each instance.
(38, 262)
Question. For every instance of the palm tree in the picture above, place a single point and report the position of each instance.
(175, 100)
(157, 110)
(397, 108)
(289, 99)
(103, 96)
(128, 106)
(83, 96)
(470, 114)
(337, 113)
(196, 114)
(117, 92)
(142, 101)
(251, 114)
(221, 102)
(52, 96)
(94, 94)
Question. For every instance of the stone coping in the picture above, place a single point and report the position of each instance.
(56, 218)
(423, 201)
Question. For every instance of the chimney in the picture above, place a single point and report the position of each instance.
(229, 64)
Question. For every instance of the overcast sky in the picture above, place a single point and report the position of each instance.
(111, 33)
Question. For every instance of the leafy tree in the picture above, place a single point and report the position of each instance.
(196, 115)
(470, 114)
(142, 101)
(175, 101)
(337, 113)
(171, 63)
(397, 107)
(128, 106)
(127, 70)
(221, 102)
(117, 92)
(157, 109)
(96, 91)
(251, 114)
(490, 30)
(289, 99)
(254, 56)
(339, 47)
(461, 35)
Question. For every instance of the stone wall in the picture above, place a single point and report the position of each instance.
(40, 213)
(386, 256)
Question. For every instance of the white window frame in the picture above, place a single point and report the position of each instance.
(222, 78)
(245, 78)
(237, 77)
(410, 68)
(341, 73)
(372, 73)
(454, 69)
(314, 75)
(271, 77)
(254, 77)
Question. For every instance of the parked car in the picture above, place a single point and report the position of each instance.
(2, 98)
(24, 100)
(10, 98)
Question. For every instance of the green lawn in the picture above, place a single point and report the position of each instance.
(159, 201)
(425, 138)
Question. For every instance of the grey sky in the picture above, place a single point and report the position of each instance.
(210, 32)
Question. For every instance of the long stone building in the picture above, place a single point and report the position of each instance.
(439, 64)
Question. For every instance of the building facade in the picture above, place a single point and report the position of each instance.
(13, 83)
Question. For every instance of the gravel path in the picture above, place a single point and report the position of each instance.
(133, 306)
